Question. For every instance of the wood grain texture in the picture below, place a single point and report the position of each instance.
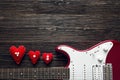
(44, 24)
(60, 6)
(59, 27)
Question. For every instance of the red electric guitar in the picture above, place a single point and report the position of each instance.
(100, 62)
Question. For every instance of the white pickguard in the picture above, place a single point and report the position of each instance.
(82, 62)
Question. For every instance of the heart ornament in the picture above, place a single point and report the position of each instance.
(34, 56)
(47, 57)
(17, 53)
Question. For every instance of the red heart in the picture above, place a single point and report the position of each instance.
(17, 53)
(47, 57)
(34, 56)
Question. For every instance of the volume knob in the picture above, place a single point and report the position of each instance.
(100, 58)
(105, 49)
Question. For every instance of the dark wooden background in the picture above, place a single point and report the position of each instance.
(44, 24)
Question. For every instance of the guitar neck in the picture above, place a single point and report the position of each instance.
(35, 73)
(100, 72)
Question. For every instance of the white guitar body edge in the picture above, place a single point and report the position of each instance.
(83, 63)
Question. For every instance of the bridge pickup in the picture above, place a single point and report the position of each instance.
(102, 72)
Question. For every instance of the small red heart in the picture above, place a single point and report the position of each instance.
(34, 56)
(17, 53)
(47, 57)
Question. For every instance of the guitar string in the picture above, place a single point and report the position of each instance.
(77, 76)
(44, 75)
(26, 71)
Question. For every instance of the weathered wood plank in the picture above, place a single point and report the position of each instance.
(44, 24)
(59, 28)
(38, 35)
(60, 6)
(52, 22)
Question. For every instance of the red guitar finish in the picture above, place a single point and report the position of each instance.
(109, 51)
(114, 58)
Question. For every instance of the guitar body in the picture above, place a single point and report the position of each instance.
(89, 64)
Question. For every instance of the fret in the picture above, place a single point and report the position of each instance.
(56, 74)
(10, 73)
(21, 75)
(28, 73)
(1, 73)
(13, 73)
(18, 73)
(66, 74)
(49, 73)
(31, 73)
(7, 73)
(43, 72)
(37, 76)
(34, 73)
(59, 74)
(62, 73)
(40, 73)
(25, 73)
(51, 76)
(53, 73)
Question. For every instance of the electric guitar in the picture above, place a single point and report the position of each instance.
(82, 62)
(100, 62)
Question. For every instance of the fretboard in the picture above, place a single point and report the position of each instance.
(35, 73)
